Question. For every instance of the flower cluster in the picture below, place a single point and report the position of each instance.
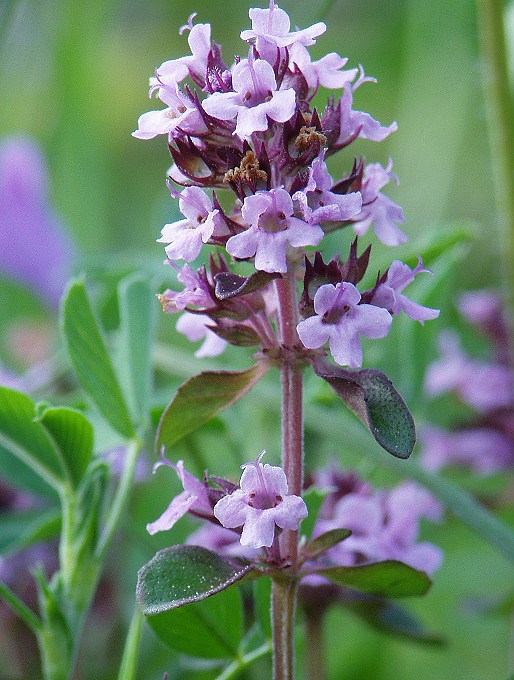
(485, 442)
(251, 128)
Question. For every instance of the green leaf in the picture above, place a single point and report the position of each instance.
(18, 530)
(211, 629)
(324, 541)
(386, 579)
(262, 603)
(90, 359)
(183, 574)
(25, 447)
(73, 434)
(388, 617)
(371, 396)
(201, 398)
(137, 311)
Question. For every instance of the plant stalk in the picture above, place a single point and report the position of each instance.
(283, 596)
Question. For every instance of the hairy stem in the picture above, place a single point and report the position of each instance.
(283, 608)
(291, 372)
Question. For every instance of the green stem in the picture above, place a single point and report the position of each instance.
(233, 669)
(314, 656)
(20, 608)
(120, 499)
(128, 667)
(500, 121)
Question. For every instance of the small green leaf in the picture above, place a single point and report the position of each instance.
(324, 541)
(90, 359)
(25, 448)
(137, 311)
(386, 579)
(371, 396)
(201, 398)
(18, 530)
(183, 574)
(73, 434)
(210, 629)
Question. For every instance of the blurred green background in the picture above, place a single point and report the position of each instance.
(74, 76)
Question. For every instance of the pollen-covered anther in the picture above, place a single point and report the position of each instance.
(249, 171)
(309, 136)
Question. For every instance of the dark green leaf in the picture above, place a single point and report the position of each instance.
(371, 396)
(183, 574)
(211, 629)
(73, 434)
(25, 448)
(201, 398)
(388, 617)
(229, 285)
(137, 311)
(21, 529)
(90, 359)
(387, 579)
(324, 541)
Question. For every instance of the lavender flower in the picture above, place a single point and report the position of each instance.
(193, 498)
(260, 504)
(187, 236)
(196, 327)
(273, 228)
(340, 319)
(389, 293)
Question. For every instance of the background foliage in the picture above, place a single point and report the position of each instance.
(74, 75)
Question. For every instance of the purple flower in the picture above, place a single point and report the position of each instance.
(254, 100)
(484, 449)
(484, 386)
(221, 541)
(271, 26)
(326, 71)
(180, 116)
(174, 71)
(194, 498)
(357, 123)
(196, 327)
(186, 236)
(261, 503)
(195, 292)
(34, 247)
(340, 319)
(389, 294)
(319, 203)
(378, 209)
(273, 228)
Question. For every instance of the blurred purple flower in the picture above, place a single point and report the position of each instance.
(484, 449)
(261, 503)
(196, 327)
(384, 523)
(35, 249)
(484, 386)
